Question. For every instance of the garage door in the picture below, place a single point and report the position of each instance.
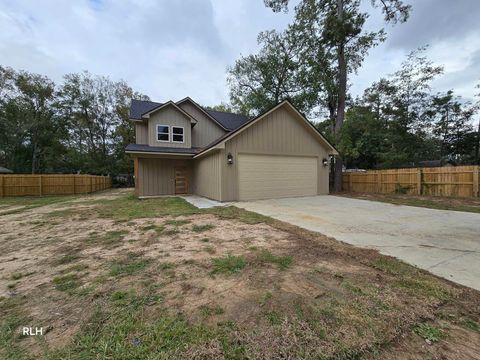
(271, 176)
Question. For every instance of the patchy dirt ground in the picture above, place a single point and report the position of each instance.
(107, 275)
(434, 202)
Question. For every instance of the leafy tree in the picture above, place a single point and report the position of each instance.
(31, 131)
(402, 103)
(223, 107)
(337, 27)
(81, 125)
(260, 81)
(96, 109)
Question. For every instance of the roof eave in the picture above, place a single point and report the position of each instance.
(221, 143)
(203, 111)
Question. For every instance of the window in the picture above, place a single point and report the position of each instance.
(177, 134)
(163, 133)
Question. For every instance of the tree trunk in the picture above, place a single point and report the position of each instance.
(342, 93)
(477, 146)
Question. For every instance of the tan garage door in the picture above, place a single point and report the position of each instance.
(272, 176)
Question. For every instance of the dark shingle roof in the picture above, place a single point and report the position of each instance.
(140, 107)
(161, 149)
(227, 120)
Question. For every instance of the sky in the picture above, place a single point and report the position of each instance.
(170, 49)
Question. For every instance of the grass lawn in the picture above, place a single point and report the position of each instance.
(432, 202)
(108, 276)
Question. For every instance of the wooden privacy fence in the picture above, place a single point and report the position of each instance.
(38, 185)
(459, 181)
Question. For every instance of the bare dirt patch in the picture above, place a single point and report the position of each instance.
(212, 285)
(434, 202)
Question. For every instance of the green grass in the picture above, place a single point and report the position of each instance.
(177, 222)
(158, 228)
(392, 266)
(123, 332)
(10, 335)
(202, 228)
(66, 282)
(248, 217)
(228, 264)
(166, 266)
(17, 276)
(30, 202)
(108, 239)
(129, 265)
(422, 286)
(282, 262)
(429, 332)
(66, 259)
(128, 207)
(471, 324)
(273, 317)
(207, 311)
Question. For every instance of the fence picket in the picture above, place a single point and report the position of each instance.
(460, 181)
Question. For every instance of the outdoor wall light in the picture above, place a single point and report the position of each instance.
(229, 159)
(325, 162)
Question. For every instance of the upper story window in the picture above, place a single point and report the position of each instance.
(163, 133)
(177, 134)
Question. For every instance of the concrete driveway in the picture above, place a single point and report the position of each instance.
(446, 243)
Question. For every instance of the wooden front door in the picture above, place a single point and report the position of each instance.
(181, 181)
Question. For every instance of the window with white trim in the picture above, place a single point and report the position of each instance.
(163, 133)
(178, 135)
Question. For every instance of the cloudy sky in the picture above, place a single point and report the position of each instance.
(168, 49)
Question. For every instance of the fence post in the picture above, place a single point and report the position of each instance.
(40, 185)
(476, 180)
(379, 182)
(2, 191)
(350, 182)
(419, 181)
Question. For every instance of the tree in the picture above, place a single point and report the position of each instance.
(96, 109)
(338, 27)
(477, 142)
(223, 107)
(30, 127)
(402, 102)
(260, 81)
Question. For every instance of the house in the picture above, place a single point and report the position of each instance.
(182, 148)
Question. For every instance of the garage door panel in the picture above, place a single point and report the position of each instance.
(271, 176)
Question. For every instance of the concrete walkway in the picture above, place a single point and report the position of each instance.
(446, 243)
(202, 202)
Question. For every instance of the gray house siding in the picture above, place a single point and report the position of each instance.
(141, 133)
(279, 133)
(208, 176)
(171, 117)
(206, 130)
(157, 176)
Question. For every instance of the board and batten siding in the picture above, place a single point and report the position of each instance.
(141, 133)
(157, 176)
(281, 132)
(171, 117)
(205, 130)
(208, 176)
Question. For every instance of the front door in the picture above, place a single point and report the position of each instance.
(181, 182)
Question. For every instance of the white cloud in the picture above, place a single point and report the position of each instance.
(170, 49)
